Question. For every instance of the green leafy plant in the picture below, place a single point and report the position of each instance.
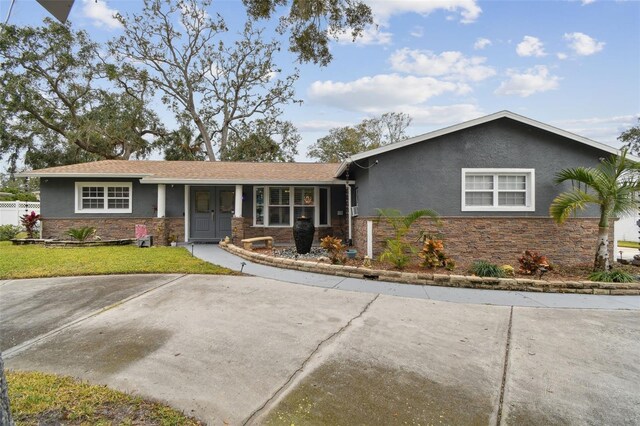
(9, 232)
(483, 268)
(612, 276)
(398, 251)
(611, 186)
(81, 234)
(531, 262)
(335, 248)
(433, 255)
(30, 223)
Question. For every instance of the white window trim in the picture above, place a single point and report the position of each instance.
(78, 197)
(530, 192)
(316, 219)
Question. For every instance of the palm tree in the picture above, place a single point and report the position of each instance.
(611, 185)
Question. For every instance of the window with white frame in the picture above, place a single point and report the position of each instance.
(282, 205)
(498, 190)
(103, 197)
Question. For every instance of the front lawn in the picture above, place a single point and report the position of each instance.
(36, 261)
(38, 398)
(629, 244)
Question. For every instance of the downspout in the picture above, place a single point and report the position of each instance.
(349, 217)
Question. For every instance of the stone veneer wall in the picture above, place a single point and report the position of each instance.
(243, 228)
(117, 228)
(499, 240)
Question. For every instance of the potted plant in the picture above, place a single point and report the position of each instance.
(173, 240)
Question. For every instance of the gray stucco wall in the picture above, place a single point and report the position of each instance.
(57, 197)
(428, 174)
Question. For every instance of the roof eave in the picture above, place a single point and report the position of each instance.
(81, 175)
(181, 181)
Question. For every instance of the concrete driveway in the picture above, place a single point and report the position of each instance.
(238, 350)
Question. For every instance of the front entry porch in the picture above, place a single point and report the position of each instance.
(210, 211)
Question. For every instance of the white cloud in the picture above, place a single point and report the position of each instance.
(320, 125)
(586, 2)
(601, 129)
(384, 91)
(100, 14)
(530, 46)
(440, 115)
(561, 56)
(481, 43)
(383, 9)
(452, 66)
(534, 80)
(582, 44)
(370, 36)
(417, 31)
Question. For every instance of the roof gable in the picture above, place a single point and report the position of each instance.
(476, 122)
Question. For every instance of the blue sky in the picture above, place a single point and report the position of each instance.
(571, 64)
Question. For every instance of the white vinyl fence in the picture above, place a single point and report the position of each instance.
(11, 211)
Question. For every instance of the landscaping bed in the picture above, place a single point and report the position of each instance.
(568, 280)
(72, 243)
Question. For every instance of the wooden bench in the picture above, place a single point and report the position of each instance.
(247, 243)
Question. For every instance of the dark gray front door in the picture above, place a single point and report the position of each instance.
(211, 212)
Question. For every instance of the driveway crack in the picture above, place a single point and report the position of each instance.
(504, 368)
(299, 370)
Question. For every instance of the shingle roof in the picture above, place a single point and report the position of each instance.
(197, 171)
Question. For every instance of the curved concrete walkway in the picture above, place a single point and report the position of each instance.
(214, 254)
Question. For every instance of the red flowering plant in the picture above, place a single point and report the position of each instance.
(30, 223)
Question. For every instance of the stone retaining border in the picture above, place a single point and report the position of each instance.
(443, 280)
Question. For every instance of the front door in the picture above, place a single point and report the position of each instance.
(211, 212)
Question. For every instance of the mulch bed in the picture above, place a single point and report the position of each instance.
(559, 273)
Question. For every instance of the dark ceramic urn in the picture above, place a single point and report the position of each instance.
(303, 231)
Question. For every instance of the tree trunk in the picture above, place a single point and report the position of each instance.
(601, 262)
(206, 139)
(5, 409)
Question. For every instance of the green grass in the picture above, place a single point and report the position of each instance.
(38, 398)
(629, 244)
(36, 261)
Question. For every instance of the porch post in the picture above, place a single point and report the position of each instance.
(186, 213)
(162, 200)
(350, 240)
(238, 207)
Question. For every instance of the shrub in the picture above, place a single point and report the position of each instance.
(30, 223)
(483, 268)
(335, 248)
(531, 262)
(398, 251)
(433, 255)
(9, 232)
(81, 234)
(613, 276)
(508, 270)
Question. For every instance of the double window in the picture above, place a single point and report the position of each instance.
(282, 205)
(103, 197)
(498, 190)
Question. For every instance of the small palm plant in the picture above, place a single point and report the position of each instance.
(398, 251)
(612, 186)
(81, 234)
